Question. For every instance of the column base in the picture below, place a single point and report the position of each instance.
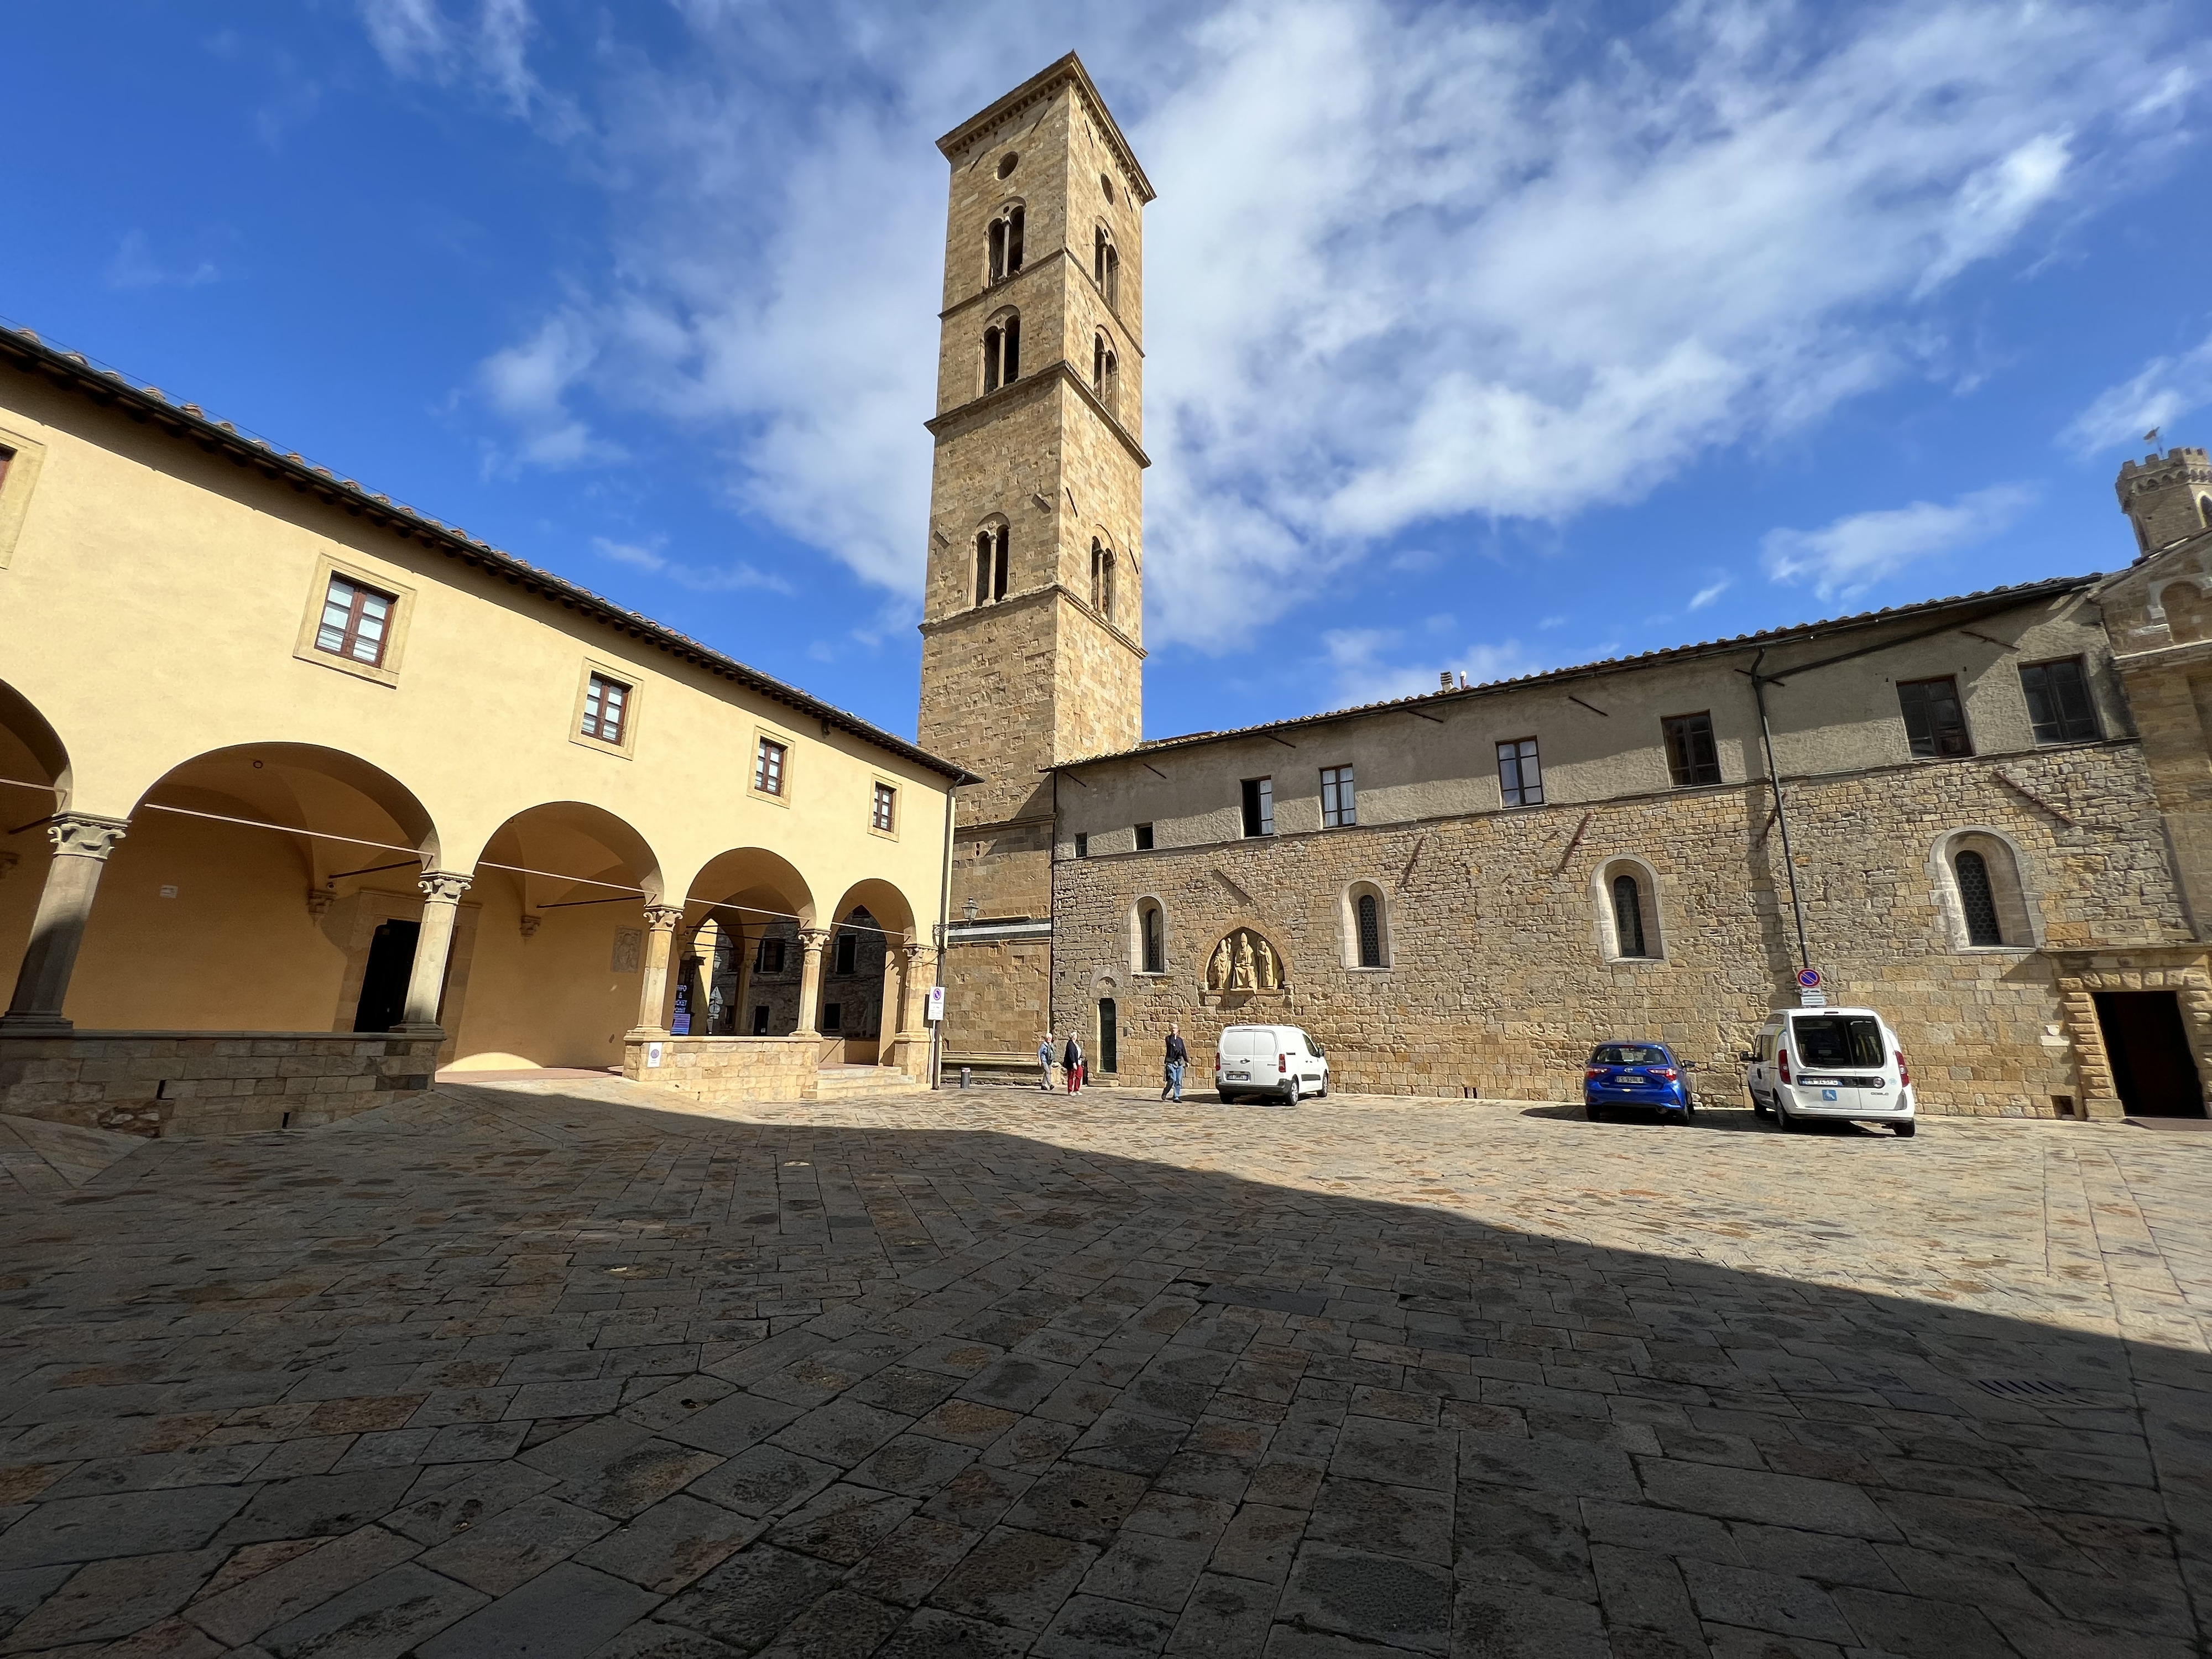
(432, 1029)
(647, 1034)
(35, 1025)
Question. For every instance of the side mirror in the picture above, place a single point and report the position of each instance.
(1748, 1058)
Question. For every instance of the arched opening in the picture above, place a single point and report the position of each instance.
(868, 979)
(561, 890)
(1004, 243)
(1002, 352)
(267, 887)
(34, 780)
(1363, 926)
(1102, 579)
(751, 968)
(1628, 893)
(1148, 938)
(991, 563)
(1983, 893)
(1105, 370)
(1108, 1046)
(1106, 266)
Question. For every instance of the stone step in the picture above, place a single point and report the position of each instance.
(845, 1082)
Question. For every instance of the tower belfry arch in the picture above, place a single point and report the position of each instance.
(1033, 616)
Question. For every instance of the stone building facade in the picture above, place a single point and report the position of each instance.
(1990, 816)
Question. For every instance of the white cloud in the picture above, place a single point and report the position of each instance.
(725, 578)
(1408, 262)
(1711, 591)
(417, 39)
(2162, 390)
(1850, 554)
(134, 267)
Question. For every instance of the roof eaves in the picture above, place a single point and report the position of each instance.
(32, 355)
(1984, 598)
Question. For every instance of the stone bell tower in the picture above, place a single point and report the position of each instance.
(1033, 620)
(2168, 497)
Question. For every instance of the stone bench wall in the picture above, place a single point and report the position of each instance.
(728, 1069)
(207, 1083)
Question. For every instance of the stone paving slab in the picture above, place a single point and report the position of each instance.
(564, 1366)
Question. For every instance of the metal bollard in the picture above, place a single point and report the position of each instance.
(965, 1074)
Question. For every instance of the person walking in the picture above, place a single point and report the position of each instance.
(1178, 1057)
(1044, 1063)
(1070, 1058)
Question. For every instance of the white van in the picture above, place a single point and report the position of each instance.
(1269, 1060)
(1829, 1062)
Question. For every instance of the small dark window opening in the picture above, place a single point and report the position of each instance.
(2059, 701)
(990, 565)
(1258, 806)
(760, 1020)
(1144, 838)
(1014, 218)
(1934, 722)
(1370, 931)
(1628, 917)
(1520, 775)
(769, 958)
(1155, 955)
(1113, 282)
(1102, 579)
(848, 953)
(1977, 900)
(1002, 354)
(1082, 845)
(1692, 756)
(833, 1016)
(998, 250)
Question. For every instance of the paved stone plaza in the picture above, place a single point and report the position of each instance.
(555, 1369)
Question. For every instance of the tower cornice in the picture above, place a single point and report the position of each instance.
(1068, 71)
(990, 402)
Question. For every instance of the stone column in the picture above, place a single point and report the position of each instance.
(661, 924)
(812, 940)
(434, 944)
(889, 1022)
(81, 842)
(694, 984)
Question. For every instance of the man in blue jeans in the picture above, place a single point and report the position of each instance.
(1044, 1063)
(1178, 1057)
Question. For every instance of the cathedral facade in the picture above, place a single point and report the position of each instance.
(1990, 816)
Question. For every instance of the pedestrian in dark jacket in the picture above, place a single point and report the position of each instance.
(1178, 1057)
(1070, 1058)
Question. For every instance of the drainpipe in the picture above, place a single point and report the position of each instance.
(944, 940)
(1781, 813)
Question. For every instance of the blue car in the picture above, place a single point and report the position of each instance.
(1645, 1074)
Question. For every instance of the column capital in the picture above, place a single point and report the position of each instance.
(85, 834)
(443, 887)
(664, 918)
(814, 939)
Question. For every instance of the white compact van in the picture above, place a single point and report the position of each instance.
(1829, 1062)
(1269, 1060)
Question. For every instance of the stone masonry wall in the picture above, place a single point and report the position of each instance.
(1496, 979)
(715, 1070)
(995, 997)
(208, 1083)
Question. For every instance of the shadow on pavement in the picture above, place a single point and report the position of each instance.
(546, 1373)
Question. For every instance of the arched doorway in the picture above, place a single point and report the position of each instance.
(740, 952)
(249, 892)
(1109, 1037)
(870, 974)
(561, 889)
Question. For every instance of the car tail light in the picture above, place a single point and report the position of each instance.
(1594, 1071)
(1667, 1072)
(1282, 1062)
(1903, 1071)
(1782, 1060)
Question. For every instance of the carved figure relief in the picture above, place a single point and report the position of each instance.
(1244, 961)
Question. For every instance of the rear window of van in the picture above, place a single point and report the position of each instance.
(1245, 1040)
(1837, 1040)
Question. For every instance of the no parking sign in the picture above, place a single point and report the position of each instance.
(1808, 979)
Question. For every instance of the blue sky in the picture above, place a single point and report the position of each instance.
(1484, 337)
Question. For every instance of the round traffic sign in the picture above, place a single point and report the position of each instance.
(1809, 978)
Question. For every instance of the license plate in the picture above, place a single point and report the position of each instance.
(1827, 1094)
(1240, 1077)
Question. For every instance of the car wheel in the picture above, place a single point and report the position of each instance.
(1782, 1120)
(1227, 1099)
(1679, 1116)
(1904, 1129)
(1293, 1095)
(1593, 1111)
(1758, 1106)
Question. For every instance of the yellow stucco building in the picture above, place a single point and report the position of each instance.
(308, 794)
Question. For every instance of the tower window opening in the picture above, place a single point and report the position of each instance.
(1004, 241)
(1102, 579)
(998, 242)
(990, 564)
(1002, 352)
(1013, 240)
(1106, 267)
(1628, 917)
(1977, 899)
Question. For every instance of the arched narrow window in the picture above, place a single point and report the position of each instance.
(1113, 277)
(1099, 364)
(1370, 931)
(993, 356)
(998, 250)
(1098, 258)
(1155, 951)
(998, 564)
(1628, 916)
(1013, 240)
(983, 563)
(1002, 352)
(1102, 579)
(1977, 900)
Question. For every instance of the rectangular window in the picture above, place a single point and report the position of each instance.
(848, 953)
(1692, 757)
(886, 814)
(1338, 809)
(767, 767)
(1933, 718)
(2058, 701)
(833, 1016)
(1520, 777)
(1258, 806)
(1144, 838)
(768, 959)
(1082, 845)
(605, 702)
(354, 622)
(760, 1019)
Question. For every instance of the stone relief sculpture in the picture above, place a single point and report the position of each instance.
(1244, 961)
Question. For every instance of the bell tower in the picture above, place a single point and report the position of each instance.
(1033, 619)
